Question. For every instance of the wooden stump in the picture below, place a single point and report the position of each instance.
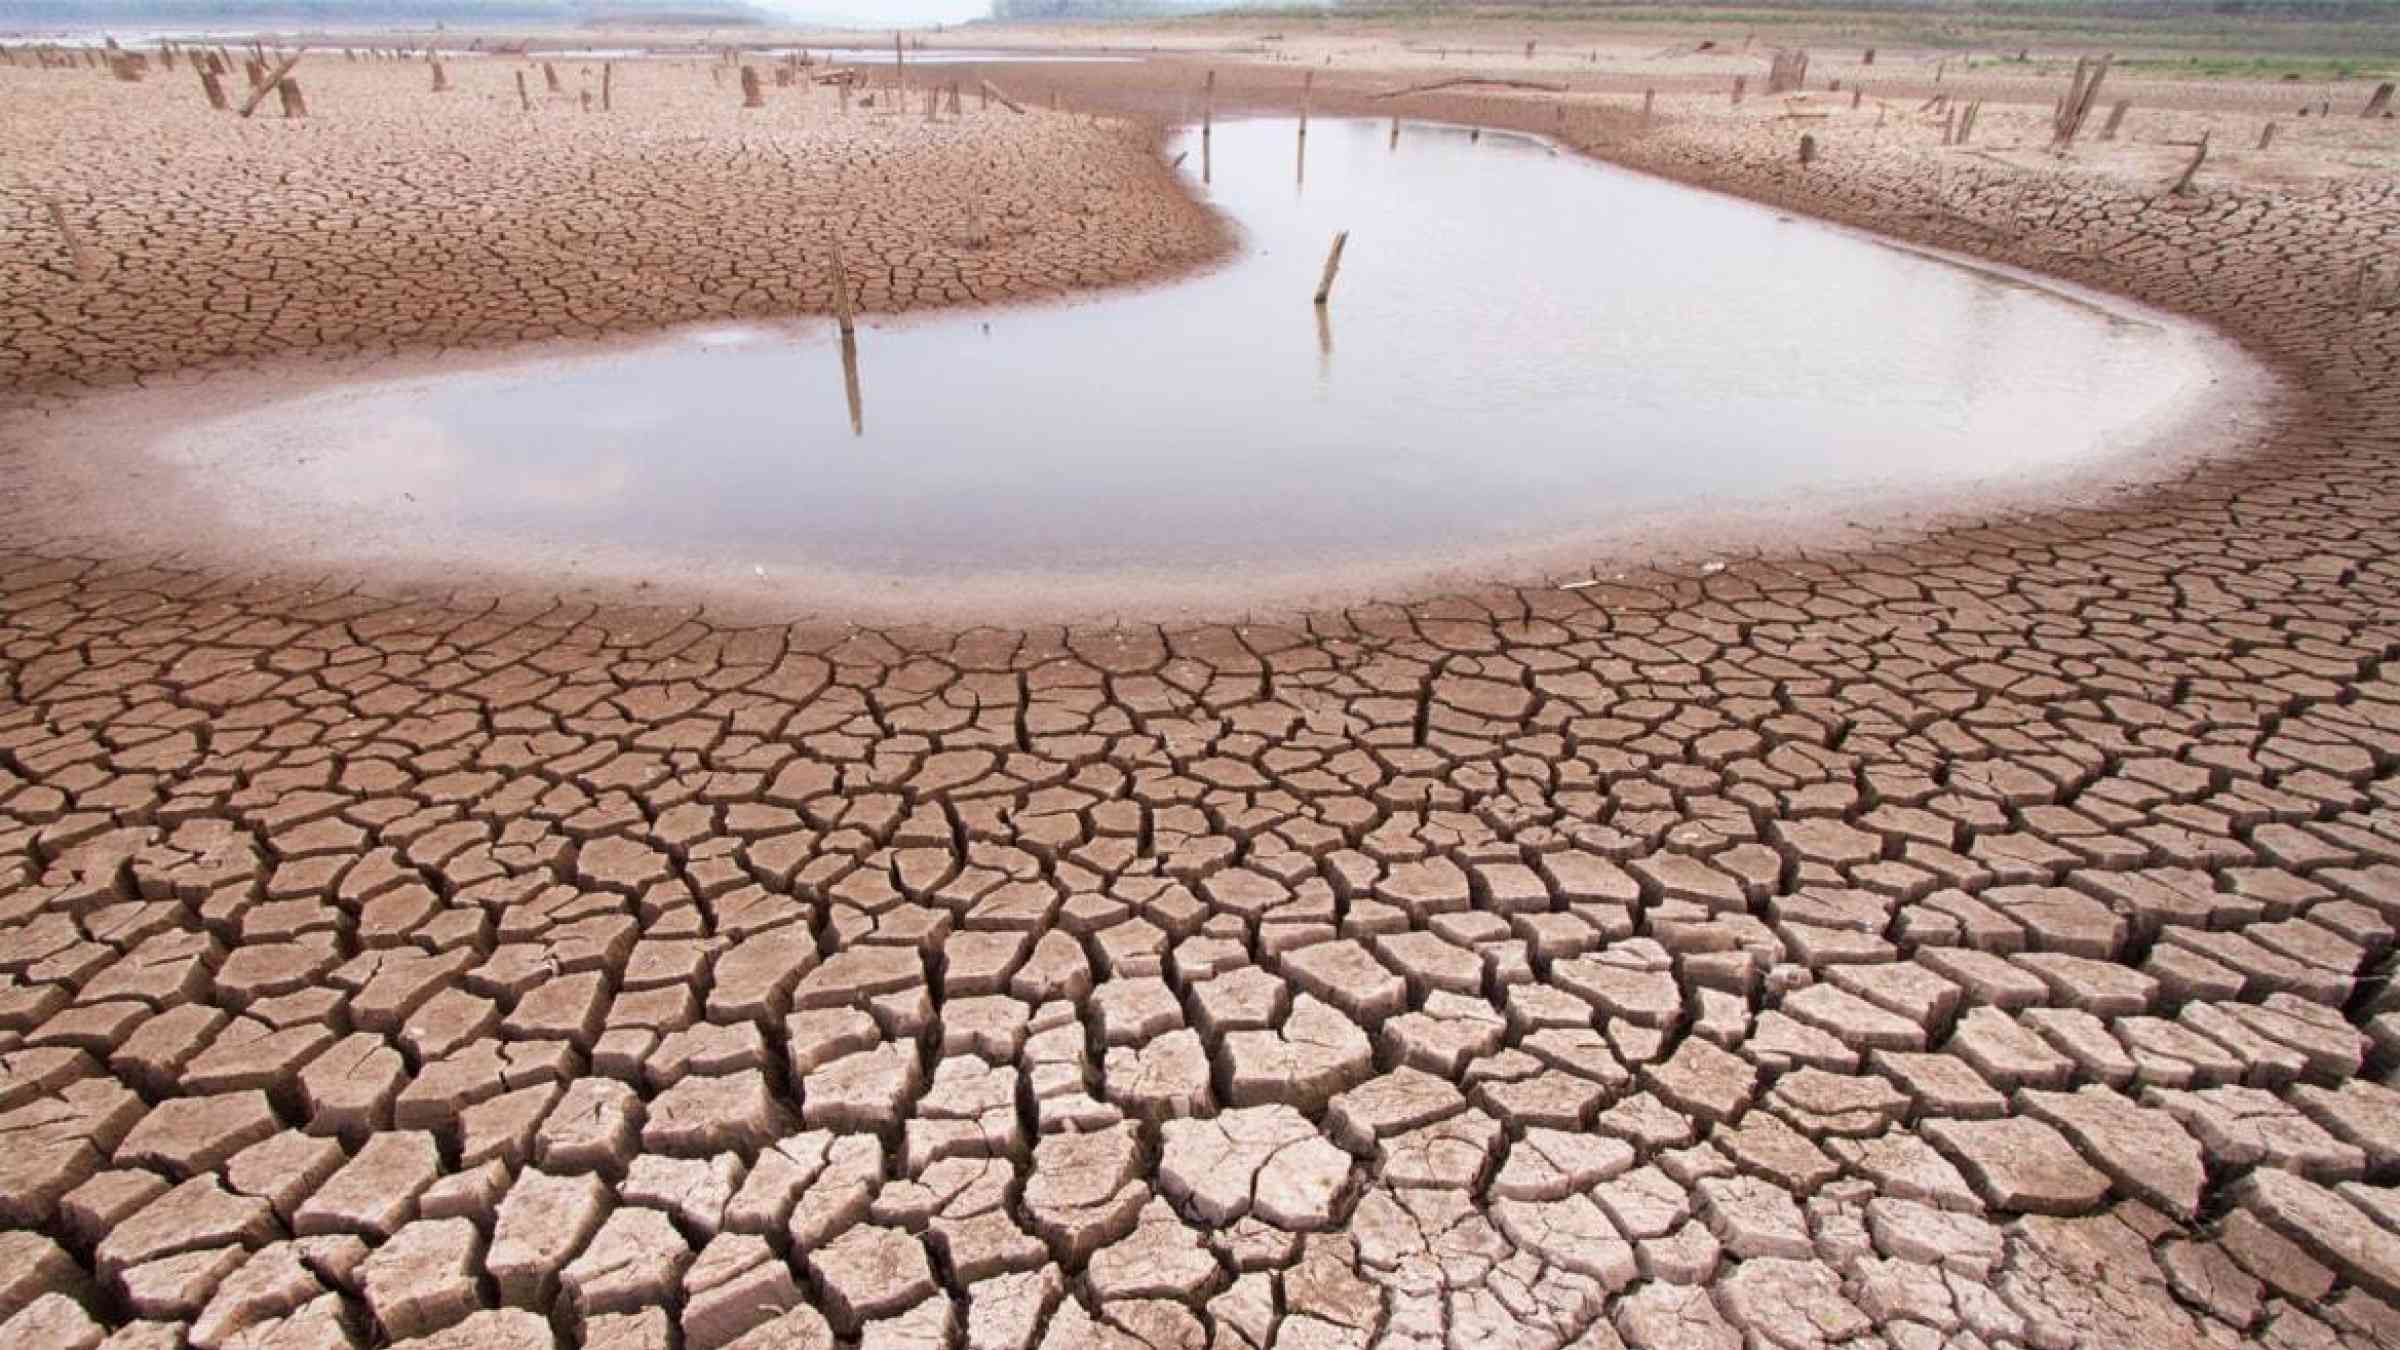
(2116, 119)
(213, 87)
(2266, 135)
(2199, 156)
(841, 289)
(293, 104)
(608, 83)
(77, 257)
(2381, 102)
(524, 100)
(550, 73)
(1808, 150)
(1740, 82)
(1333, 267)
(752, 95)
(441, 79)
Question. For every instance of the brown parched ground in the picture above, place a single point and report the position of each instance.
(1981, 942)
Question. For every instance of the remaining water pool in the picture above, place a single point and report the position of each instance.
(1523, 347)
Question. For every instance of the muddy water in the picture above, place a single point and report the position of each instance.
(1522, 346)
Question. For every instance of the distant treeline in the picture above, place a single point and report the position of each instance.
(211, 13)
(2353, 10)
(1108, 9)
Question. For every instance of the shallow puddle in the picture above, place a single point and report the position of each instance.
(1522, 346)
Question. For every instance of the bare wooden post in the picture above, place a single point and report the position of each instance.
(841, 288)
(77, 256)
(1869, 58)
(2199, 154)
(1966, 121)
(259, 95)
(1005, 101)
(293, 104)
(1649, 101)
(2266, 135)
(524, 100)
(1950, 127)
(123, 68)
(608, 82)
(211, 86)
(1528, 51)
(752, 95)
(2380, 102)
(257, 73)
(1808, 150)
(1395, 133)
(2081, 95)
(1333, 267)
(441, 78)
(845, 96)
(954, 108)
(1857, 92)
(1940, 69)
(1308, 83)
(1739, 81)
(1208, 105)
(2116, 119)
(550, 74)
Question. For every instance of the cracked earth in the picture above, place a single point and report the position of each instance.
(1979, 942)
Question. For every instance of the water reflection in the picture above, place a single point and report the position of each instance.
(858, 417)
(1533, 344)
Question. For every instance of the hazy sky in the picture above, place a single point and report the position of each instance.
(895, 13)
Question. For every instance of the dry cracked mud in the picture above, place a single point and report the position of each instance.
(1980, 942)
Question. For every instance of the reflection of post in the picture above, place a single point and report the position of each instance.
(1395, 133)
(1324, 341)
(858, 415)
(1207, 161)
